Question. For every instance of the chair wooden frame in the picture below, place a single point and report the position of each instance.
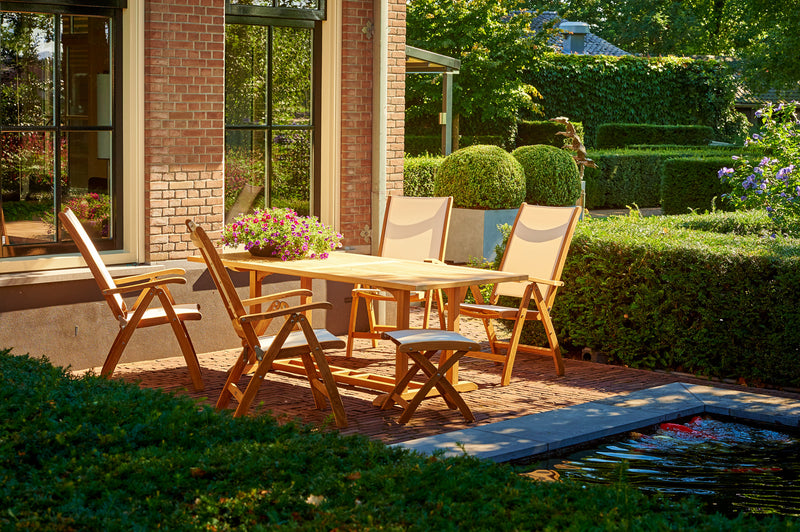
(296, 338)
(415, 229)
(420, 346)
(149, 286)
(538, 245)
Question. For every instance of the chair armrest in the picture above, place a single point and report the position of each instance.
(144, 286)
(247, 318)
(272, 297)
(551, 282)
(149, 276)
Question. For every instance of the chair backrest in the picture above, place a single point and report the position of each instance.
(222, 280)
(538, 246)
(93, 261)
(415, 228)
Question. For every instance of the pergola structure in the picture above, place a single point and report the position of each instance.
(420, 61)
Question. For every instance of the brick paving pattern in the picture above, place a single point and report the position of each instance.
(534, 388)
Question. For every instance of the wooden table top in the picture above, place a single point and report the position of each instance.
(397, 274)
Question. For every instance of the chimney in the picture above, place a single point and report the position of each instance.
(575, 34)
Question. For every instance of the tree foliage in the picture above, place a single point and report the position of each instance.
(494, 43)
(762, 33)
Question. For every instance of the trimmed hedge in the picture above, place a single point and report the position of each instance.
(530, 132)
(432, 144)
(693, 184)
(423, 145)
(622, 178)
(418, 175)
(710, 294)
(616, 135)
(91, 453)
(625, 177)
(481, 177)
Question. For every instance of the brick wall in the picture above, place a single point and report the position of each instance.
(396, 102)
(184, 122)
(357, 112)
(357, 68)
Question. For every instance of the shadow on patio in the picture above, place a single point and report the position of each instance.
(534, 388)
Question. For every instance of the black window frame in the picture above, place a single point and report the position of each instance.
(291, 17)
(114, 13)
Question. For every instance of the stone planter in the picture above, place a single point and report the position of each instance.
(473, 233)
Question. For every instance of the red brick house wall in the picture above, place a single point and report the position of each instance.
(184, 121)
(184, 118)
(357, 87)
(396, 101)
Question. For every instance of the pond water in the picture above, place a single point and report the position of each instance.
(731, 467)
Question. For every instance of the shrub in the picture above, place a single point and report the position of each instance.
(769, 176)
(709, 294)
(418, 175)
(621, 135)
(92, 453)
(693, 184)
(481, 177)
(531, 132)
(423, 145)
(657, 90)
(551, 175)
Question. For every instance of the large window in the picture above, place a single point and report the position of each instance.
(271, 113)
(57, 128)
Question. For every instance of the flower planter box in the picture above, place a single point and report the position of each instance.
(473, 233)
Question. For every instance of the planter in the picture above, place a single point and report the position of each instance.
(473, 233)
(264, 251)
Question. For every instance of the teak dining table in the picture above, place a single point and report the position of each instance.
(398, 276)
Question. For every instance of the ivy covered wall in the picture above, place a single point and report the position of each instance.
(664, 90)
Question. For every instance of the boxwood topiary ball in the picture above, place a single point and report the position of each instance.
(481, 177)
(551, 175)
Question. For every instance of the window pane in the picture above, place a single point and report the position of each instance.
(245, 172)
(27, 52)
(291, 76)
(245, 74)
(86, 71)
(26, 181)
(291, 170)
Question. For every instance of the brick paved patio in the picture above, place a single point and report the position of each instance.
(534, 388)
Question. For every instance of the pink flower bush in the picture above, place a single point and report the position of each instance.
(292, 236)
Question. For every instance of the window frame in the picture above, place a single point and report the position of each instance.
(289, 17)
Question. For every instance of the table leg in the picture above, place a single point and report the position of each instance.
(305, 283)
(402, 322)
(454, 298)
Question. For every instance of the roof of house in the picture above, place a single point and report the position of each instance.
(593, 45)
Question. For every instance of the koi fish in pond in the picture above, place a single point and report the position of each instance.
(754, 469)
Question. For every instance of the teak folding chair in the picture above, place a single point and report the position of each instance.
(150, 286)
(414, 229)
(295, 337)
(538, 245)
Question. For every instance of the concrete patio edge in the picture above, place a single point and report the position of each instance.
(556, 430)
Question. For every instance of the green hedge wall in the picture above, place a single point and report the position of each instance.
(598, 90)
(693, 184)
(622, 178)
(432, 144)
(706, 294)
(530, 132)
(418, 173)
(614, 135)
